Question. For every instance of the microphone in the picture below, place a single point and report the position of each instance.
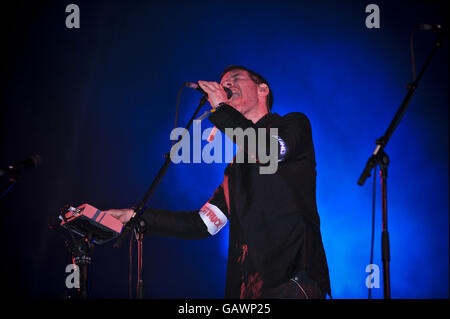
(30, 162)
(197, 87)
(432, 27)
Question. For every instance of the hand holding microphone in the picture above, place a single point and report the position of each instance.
(215, 92)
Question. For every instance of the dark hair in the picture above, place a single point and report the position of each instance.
(257, 78)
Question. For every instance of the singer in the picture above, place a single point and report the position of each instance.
(275, 243)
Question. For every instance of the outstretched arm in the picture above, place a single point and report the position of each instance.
(198, 224)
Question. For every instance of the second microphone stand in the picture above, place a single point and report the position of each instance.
(380, 158)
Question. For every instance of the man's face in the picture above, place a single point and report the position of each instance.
(245, 91)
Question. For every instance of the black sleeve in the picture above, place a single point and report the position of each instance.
(178, 224)
(293, 128)
(219, 199)
(198, 224)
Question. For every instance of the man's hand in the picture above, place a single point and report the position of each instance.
(216, 93)
(123, 215)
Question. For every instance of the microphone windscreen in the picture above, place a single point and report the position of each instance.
(191, 85)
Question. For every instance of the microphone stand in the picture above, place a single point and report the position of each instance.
(380, 158)
(139, 209)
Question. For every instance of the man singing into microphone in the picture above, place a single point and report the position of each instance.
(275, 244)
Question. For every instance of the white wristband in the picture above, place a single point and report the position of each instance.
(213, 218)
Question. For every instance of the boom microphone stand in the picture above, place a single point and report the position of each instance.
(139, 208)
(380, 158)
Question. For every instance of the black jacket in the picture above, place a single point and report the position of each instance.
(274, 224)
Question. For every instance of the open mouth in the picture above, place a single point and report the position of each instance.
(235, 95)
(235, 92)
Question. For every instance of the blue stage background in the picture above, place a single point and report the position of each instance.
(98, 104)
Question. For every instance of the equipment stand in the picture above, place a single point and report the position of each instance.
(385, 250)
(81, 255)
